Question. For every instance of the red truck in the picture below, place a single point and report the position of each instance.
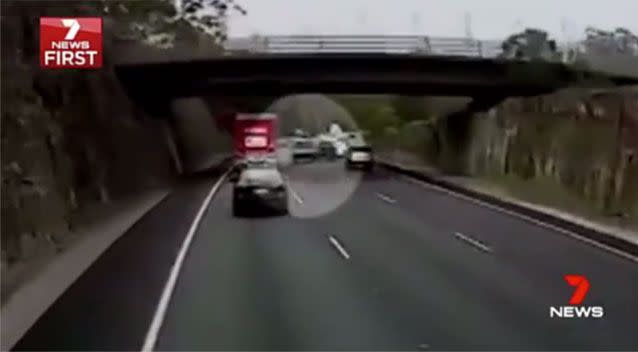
(254, 135)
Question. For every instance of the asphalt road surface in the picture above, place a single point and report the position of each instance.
(375, 262)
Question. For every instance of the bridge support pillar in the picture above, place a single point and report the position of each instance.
(455, 133)
(171, 143)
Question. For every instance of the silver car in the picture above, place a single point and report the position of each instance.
(304, 149)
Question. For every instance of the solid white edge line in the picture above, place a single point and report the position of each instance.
(473, 242)
(339, 247)
(524, 217)
(160, 312)
(385, 198)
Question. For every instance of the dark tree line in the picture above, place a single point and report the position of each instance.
(536, 44)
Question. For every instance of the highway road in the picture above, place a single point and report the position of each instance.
(376, 262)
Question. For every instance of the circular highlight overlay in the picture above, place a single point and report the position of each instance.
(309, 124)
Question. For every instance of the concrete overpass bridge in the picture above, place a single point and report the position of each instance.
(278, 74)
(253, 73)
(276, 66)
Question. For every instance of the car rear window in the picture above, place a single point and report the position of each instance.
(303, 144)
(260, 177)
(362, 148)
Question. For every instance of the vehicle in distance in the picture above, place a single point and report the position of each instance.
(260, 189)
(284, 153)
(341, 148)
(304, 149)
(327, 150)
(360, 157)
(254, 134)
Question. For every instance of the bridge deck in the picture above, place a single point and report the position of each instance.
(278, 74)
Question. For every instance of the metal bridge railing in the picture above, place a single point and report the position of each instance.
(394, 44)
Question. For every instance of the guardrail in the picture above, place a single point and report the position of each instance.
(392, 44)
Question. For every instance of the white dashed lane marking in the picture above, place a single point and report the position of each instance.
(385, 198)
(525, 218)
(339, 247)
(473, 242)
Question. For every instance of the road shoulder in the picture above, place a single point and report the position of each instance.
(53, 275)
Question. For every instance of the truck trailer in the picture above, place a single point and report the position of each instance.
(254, 136)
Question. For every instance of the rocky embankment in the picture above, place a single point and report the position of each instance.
(72, 139)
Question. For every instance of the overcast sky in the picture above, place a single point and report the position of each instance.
(490, 19)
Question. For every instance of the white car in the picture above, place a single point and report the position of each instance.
(338, 143)
(341, 148)
(360, 156)
(304, 148)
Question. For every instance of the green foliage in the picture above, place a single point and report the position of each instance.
(155, 21)
(362, 107)
(531, 44)
(380, 118)
(618, 41)
(312, 113)
(410, 108)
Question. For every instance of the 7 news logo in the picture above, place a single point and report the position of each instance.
(71, 42)
(575, 309)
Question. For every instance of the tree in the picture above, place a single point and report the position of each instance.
(410, 108)
(531, 44)
(367, 111)
(381, 118)
(154, 21)
(619, 41)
